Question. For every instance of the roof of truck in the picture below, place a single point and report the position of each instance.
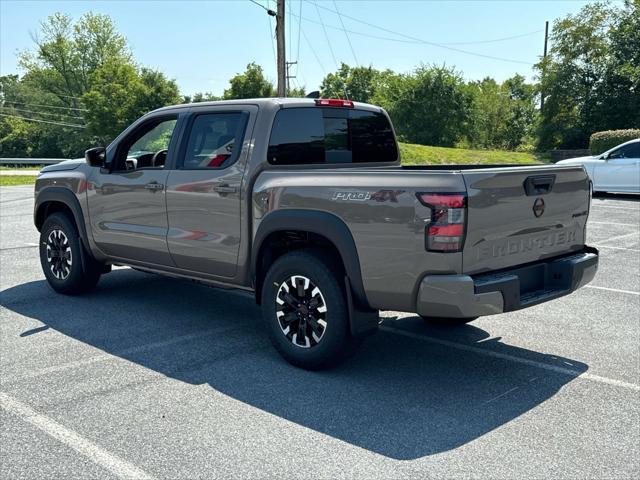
(274, 102)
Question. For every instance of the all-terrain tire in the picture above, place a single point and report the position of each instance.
(305, 310)
(67, 266)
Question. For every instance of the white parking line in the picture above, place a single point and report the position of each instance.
(616, 224)
(83, 446)
(616, 208)
(511, 358)
(631, 292)
(617, 248)
(122, 354)
(620, 237)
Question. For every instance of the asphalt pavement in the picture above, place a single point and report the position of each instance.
(150, 377)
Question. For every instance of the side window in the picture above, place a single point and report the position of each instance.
(297, 137)
(215, 140)
(148, 146)
(628, 151)
(313, 135)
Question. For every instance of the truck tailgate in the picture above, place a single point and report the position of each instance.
(520, 215)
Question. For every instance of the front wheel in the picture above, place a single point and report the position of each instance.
(305, 310)
(67, 269)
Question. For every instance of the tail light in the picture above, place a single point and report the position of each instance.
(447, 226)
(333, 102)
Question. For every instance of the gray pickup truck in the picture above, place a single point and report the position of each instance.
(304, 203)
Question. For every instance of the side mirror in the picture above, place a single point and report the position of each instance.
(95, 157)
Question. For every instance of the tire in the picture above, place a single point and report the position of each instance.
(324, 325)
(447, 322)
(62, 257)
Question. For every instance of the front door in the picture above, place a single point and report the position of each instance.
(620, 171)
(127, 205)
(204, 190)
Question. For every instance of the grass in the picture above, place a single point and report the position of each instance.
(10, 180)
(22, 167)
(413, 154)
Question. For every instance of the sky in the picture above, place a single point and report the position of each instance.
(202, 44)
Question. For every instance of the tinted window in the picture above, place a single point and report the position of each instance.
(628, 151)
(215, 140)
(330, 135)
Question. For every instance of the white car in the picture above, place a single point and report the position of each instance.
(616, 170)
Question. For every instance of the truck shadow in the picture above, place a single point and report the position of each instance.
(399, 396)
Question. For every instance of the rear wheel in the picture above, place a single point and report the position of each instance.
(305, 310)
(67, 269)
(447, 322)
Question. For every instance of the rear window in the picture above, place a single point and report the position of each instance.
(315, 135)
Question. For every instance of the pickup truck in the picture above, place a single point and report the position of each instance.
(304, 203)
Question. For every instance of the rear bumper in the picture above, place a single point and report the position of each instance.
(460, 296)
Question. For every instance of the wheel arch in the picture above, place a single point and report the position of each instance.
(321, 224)
(56, 199)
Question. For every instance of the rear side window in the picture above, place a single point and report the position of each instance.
(330, 135)
(215, 140)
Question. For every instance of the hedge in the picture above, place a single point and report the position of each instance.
(603, 141)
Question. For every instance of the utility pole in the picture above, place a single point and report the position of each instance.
(544, 56)
(289, 77)
(282, 62)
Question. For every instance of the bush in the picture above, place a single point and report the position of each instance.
(603, 141)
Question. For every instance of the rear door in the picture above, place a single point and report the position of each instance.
(204, 190)
(519, 215)
(620, 171)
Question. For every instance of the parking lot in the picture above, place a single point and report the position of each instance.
(150, 377)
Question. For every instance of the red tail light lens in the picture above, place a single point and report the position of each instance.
(447, 225)
(334, 102)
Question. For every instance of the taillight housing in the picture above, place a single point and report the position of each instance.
(447, 225)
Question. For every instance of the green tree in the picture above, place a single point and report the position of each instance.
(590, 77)
(355, 83)
(250, 84)
(120, 93)
(200, 97)
(432, 106)
(84, 73)
(503, 114)
(67, 54)
(619, 91)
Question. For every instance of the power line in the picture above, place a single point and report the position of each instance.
(268, 10)
(413, 42)
(299, 27)
(419, 40)
(47, 106)
(67, 96)
(44, 113)
(273, 48)
(43, 121)
(326, 35)
(495, 40)
(324, 71)
(346, 34)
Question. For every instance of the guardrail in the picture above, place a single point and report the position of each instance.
(30, 161)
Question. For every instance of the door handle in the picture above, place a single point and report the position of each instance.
(539, 185)
(153, 186)
(224, 188)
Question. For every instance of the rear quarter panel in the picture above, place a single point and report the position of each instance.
(383, 214)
